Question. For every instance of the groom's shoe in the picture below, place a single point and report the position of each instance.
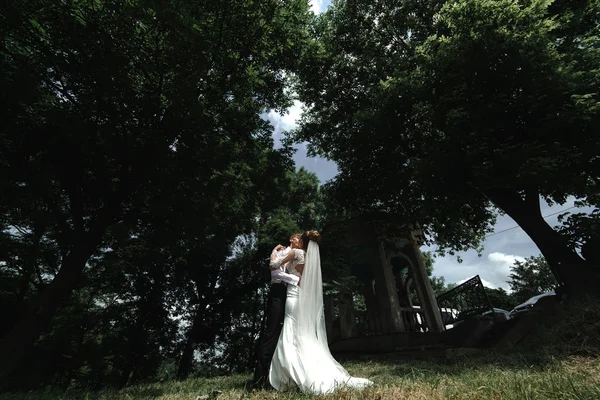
(249, 386)
(268, 387)
(252, 386)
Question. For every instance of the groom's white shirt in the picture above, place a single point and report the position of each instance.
(279, 275)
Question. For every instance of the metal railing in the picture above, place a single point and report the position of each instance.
(468, 299)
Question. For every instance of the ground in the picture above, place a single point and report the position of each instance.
(487, 376)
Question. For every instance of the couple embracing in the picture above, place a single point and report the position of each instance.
(298, 352)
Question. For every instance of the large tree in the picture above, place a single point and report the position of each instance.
(148, 298)
(531, 277)
(445, 111)
(116, 111)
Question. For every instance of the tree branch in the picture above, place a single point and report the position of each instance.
(76, 206)
(65, 229)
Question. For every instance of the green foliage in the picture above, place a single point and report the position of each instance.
(299, 207)
(133, 156)
(583, 231)
(501, 299)
(530, 278)
(436, 110)
(439, 285)
(428, 260)
(306, 200)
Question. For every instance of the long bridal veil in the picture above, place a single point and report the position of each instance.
(322, 372)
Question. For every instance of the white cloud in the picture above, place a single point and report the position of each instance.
(483, 281)
(488, 284)
(493, 268)
(285, 122)
(324, 169)
(316, 6)
(291, 118)
(502, 262)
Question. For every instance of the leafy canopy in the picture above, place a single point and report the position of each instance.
(431, 108)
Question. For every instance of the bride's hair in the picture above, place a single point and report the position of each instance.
(307, 236)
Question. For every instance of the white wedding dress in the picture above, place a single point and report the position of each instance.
(302, 358)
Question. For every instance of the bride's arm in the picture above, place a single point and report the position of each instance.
(300, 266)
(300, 269)
(276, 263)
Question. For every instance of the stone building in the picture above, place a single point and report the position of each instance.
(384, 257)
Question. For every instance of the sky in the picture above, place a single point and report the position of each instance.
(507, 244)
(319, 6)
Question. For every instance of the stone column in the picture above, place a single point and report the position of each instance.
(429, 305)
(373, 314)
(387, 295)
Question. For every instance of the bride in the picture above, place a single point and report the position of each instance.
(302, 358)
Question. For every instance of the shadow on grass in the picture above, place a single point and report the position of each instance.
(484, 360)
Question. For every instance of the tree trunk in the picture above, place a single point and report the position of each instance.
(256, 328)
(38, 314)
(136, 340)
(569, 268)
(199, 333)
(30, 265)
(185, 363)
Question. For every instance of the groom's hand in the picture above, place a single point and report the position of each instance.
(278, 247)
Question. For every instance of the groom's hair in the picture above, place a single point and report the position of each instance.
(296, 235)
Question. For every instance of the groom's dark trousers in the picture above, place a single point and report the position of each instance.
(272, 325)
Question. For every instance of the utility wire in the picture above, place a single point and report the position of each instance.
(517, 226)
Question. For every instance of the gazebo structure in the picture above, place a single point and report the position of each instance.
(384, 256)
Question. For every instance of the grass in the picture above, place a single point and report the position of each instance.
(484, 376)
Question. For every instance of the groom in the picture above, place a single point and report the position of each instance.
(274, 316)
